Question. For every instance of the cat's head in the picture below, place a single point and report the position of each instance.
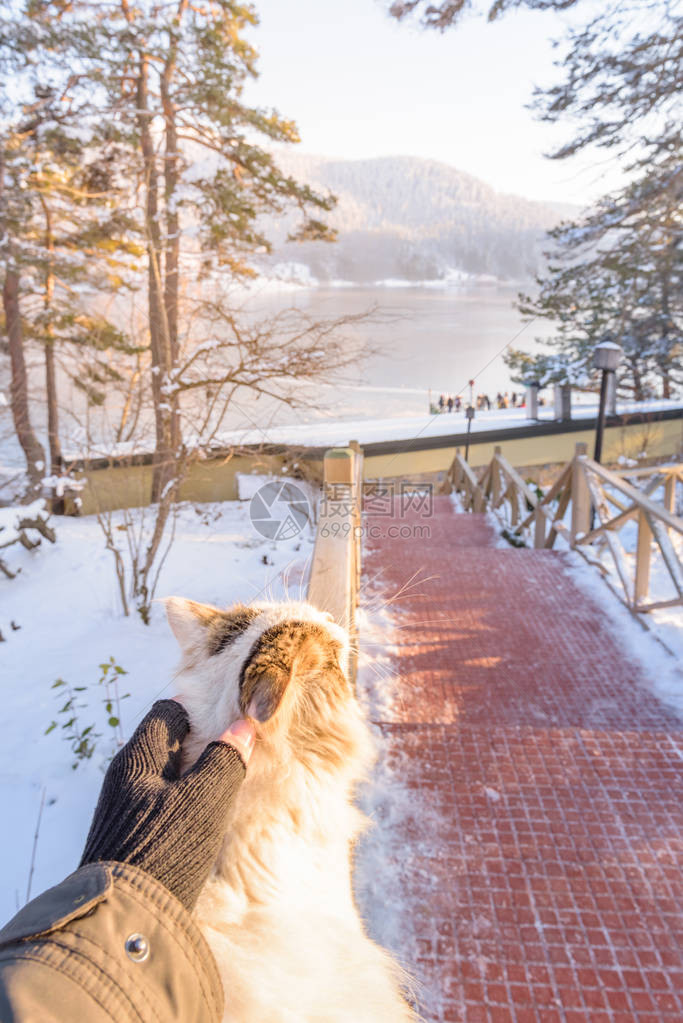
(284, 665)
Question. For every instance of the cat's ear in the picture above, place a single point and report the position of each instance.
(263, 691)
(189, 621)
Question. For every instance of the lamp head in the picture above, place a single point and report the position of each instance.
(607, 356)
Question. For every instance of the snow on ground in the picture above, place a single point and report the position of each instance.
(381, 859)
(331, 431)
(299, 275)
(385, 866)
(369, 431)
(661, 662)
(67, 621)
(249, 483)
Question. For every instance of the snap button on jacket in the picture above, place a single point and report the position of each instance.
(63, 957)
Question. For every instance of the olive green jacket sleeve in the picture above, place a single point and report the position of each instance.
(107, 944)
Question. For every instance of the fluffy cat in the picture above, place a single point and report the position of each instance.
(278, 910)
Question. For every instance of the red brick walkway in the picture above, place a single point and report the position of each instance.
(540, 861)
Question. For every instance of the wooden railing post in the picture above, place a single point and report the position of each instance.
(495, 477)
(643, 552)
(357, 511)
(581, 501)
(335, 567)
(338, 467)
(478, 499)
(670, 493)
(539, 527)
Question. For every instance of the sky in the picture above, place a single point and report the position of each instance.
(358, 84)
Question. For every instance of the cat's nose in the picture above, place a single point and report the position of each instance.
(242, 735)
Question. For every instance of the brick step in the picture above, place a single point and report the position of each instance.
(533, 824)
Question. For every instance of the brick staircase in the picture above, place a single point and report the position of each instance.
(539, 852)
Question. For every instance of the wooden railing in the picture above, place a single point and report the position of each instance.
(334, 580)
(587, 506)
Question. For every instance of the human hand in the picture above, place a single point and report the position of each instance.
(152, 817)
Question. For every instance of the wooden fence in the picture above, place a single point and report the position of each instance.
(334, 581)
(588, 506)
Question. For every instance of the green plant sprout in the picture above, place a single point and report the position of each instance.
(83, 740)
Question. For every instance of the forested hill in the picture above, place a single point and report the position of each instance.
(403, 217)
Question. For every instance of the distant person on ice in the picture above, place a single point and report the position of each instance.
(442, 402)
(450, 402)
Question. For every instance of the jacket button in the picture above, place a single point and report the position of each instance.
(137, 948)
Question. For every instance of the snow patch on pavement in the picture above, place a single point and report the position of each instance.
(384, 862)
(662, 665)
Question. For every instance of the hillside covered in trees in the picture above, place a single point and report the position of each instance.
(405, 217)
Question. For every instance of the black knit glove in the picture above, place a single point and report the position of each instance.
(149, 816)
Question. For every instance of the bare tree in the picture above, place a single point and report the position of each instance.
(228, 356)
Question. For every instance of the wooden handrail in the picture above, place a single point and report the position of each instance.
(624, 513)
(515, 478)
(334, 579)
(668, 469)
(637, 496)
(582, 485)
(461, 469)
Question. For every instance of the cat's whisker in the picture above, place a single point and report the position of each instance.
(444, 619)
(285, 580)
(407, 587)
(409, 591)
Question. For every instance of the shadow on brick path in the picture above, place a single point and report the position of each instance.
(540, 862)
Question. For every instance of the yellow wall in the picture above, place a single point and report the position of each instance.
(662, 439)
(130, 486)
(214, 479)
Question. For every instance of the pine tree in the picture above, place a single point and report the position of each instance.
(65, 239)
(617, 274)
(167, 81)
(618, 270)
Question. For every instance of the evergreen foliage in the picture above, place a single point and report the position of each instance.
(617, 271)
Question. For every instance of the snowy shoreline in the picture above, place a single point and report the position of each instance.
(338, 432)
(293, 276)
(370, 431)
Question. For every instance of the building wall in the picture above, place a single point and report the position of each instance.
(660, 439)
(127, 486)
(130, 486)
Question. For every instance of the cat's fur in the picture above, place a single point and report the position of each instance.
(278, 910)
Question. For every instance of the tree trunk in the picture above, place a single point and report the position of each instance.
(56, 460)
(172, 254)
(666, 324)
(31, 446)
(164, 405)
(638, 392)
(171, 181)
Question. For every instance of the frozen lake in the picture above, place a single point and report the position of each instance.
(421, 338)
(428, 338)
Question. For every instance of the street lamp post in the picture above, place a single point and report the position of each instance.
(469, 412)
(606, 357)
